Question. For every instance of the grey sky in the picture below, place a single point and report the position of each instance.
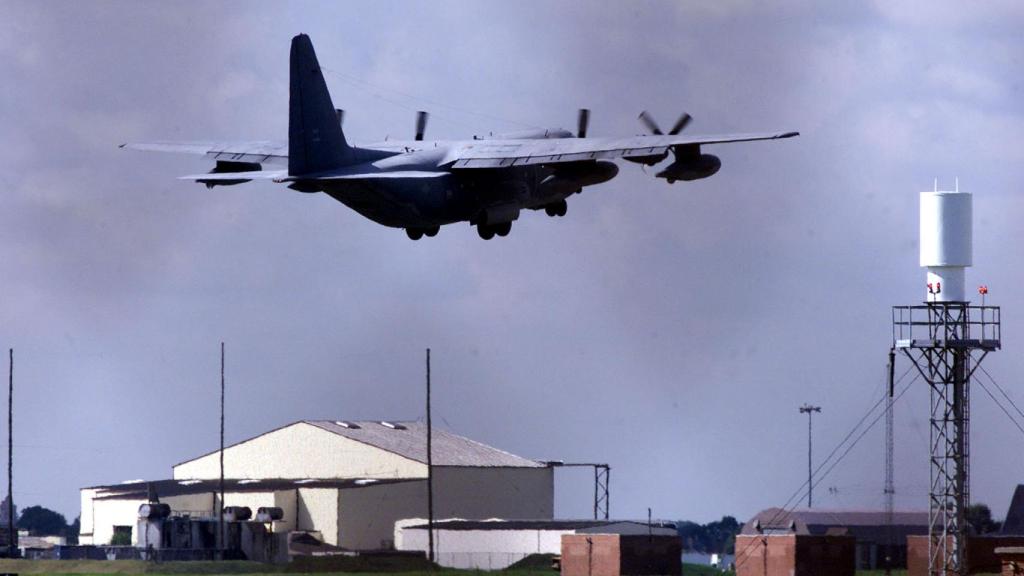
(669, 330)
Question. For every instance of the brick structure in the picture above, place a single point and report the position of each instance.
(621, 555)
(1012, 559)
(981, 553)
(795, 555)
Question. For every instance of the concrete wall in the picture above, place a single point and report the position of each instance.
(300, 451)
(508, 493)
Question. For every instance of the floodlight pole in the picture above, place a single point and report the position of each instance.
(809, 410)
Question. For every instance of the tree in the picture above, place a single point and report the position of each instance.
(41, 521)
(979, 517)
(73, 529)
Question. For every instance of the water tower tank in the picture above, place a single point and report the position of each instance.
(946, 243)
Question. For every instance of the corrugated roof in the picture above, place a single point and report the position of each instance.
(409, 439)
(164, 488)
(860, 522)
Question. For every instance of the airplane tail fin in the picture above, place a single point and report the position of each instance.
(316, 142)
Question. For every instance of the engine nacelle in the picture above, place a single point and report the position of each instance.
(689, 168)
(228, 167)
(570, 178)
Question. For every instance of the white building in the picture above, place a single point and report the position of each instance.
(350, 481)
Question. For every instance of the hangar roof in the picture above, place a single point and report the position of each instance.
(409, 439)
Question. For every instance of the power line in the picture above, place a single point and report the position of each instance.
(790, 504)
(1003, 392)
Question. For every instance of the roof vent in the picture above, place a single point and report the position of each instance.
(392, 425)
(349, 425)
(249, 481)
(189, 482)
(305, 481)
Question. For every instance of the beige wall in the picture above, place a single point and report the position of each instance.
(193, 504)
(368, 514)
(318, 510)
(509, 493)
(302, 450)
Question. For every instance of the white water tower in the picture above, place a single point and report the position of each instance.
(946, 243)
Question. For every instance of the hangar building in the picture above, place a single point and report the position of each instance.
(350, 481)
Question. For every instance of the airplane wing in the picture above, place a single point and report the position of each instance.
(251, 152)
(282, 175)
(506, 153)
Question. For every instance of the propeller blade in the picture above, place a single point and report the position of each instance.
(651, 125)
(582, 122)
(341, 116)
(680, 124)
(421, 124)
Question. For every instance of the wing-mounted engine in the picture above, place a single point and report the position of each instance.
(690, 164)
(228, 167)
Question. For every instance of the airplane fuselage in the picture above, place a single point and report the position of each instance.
(486, 197)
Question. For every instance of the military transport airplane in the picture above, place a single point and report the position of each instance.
(421, 185)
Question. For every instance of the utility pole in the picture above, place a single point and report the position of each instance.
(12, 537)
(430, 475)
(220, 515)
(809, 410)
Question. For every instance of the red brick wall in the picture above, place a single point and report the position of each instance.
(615, 555)
(832, 555)
(766, 555)
(981, 556)
(1013, 564)
(590, 555)
(792, 555)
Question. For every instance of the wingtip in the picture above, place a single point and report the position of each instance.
(122, 145)
(789, 134)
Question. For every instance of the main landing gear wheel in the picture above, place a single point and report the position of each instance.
(432, 231)
(485, 232)
(503, 229)
(415, 233)
(557, 208)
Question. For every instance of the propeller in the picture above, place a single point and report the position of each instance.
(582, 122)
(421, 124)
(653, 127)
(341, 116)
